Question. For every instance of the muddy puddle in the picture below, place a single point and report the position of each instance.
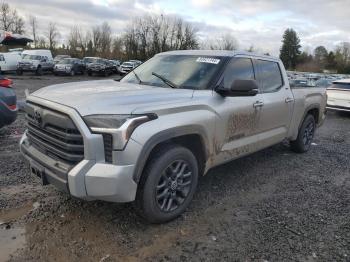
(13, 235)
(12, 238)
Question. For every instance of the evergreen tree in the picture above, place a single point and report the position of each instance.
(290, 49)
(321, 56)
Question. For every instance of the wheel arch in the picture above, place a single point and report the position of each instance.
(191, 137)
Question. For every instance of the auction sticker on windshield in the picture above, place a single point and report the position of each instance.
(208, 60)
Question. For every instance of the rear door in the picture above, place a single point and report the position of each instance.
(277, 108)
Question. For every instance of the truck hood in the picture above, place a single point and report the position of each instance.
(111, 97)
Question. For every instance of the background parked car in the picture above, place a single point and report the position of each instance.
(9, 61)
(339, 96)
(136, 62)
(8, 100)
(89, 59)
(126, 67)
(59, 58)
(37, 61)
(100, 67)
(69, 66)
(116, 66)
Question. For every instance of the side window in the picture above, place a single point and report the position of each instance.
(238, 68)
(270, 77)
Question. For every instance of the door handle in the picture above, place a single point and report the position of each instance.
(289, 99)
(258, 104)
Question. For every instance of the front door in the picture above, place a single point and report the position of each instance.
(237, 117)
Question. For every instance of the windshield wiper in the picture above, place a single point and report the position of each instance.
(166, 81)
(138, 78)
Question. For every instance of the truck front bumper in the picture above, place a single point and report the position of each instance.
(87, 180)
(92, 177)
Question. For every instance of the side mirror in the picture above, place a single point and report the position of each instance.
(240, 87)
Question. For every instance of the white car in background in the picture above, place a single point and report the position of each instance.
(9, 61)
(36, 60)
(339, 96)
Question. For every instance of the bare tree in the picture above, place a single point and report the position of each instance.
(10, 20)
(6, 17)
(148, 35)
(74, 40)
(41, 42)
(52, 35)
(106, 39)
(222, 42)
(96, 39)
(33, 23)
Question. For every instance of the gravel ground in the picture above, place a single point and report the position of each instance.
(274, 205)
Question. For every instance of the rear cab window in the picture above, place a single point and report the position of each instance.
(269, 76)
(238, 68)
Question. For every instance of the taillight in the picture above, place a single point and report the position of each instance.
(12, 107)
(6, 82)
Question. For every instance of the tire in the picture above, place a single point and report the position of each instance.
(39, 71)
(305, 135)
(89, 73)
(19, 72)
(152, 203)
(72, 73)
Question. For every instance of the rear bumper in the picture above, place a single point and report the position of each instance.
(7, 116)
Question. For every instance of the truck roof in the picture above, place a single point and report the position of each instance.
(226, 53)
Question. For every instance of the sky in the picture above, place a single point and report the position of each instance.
(260, 23)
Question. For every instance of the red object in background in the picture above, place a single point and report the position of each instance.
(5, 82)
(12, 107)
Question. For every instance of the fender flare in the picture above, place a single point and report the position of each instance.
(163, 136)
(310, 107)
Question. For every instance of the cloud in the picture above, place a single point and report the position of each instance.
(253, 22)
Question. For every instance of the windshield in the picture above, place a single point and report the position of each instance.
(31, 57)
(67, 61)
(340, 86)
(91, 60)
(185, 71)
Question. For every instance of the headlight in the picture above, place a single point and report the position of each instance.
(119, 126)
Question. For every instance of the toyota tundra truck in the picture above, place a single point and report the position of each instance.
(149, 137)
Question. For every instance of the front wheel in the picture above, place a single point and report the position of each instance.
(39, 71)
(168, 184)
(305, 135)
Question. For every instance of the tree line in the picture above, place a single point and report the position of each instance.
(320, 60)
(148, 35)
(143, 37)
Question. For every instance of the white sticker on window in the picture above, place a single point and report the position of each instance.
(208, 60)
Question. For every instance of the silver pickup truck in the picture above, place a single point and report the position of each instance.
(149, 137)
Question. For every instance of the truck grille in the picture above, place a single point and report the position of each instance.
(54, 134)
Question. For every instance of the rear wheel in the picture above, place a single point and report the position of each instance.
(305, 135)
(168, 184)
